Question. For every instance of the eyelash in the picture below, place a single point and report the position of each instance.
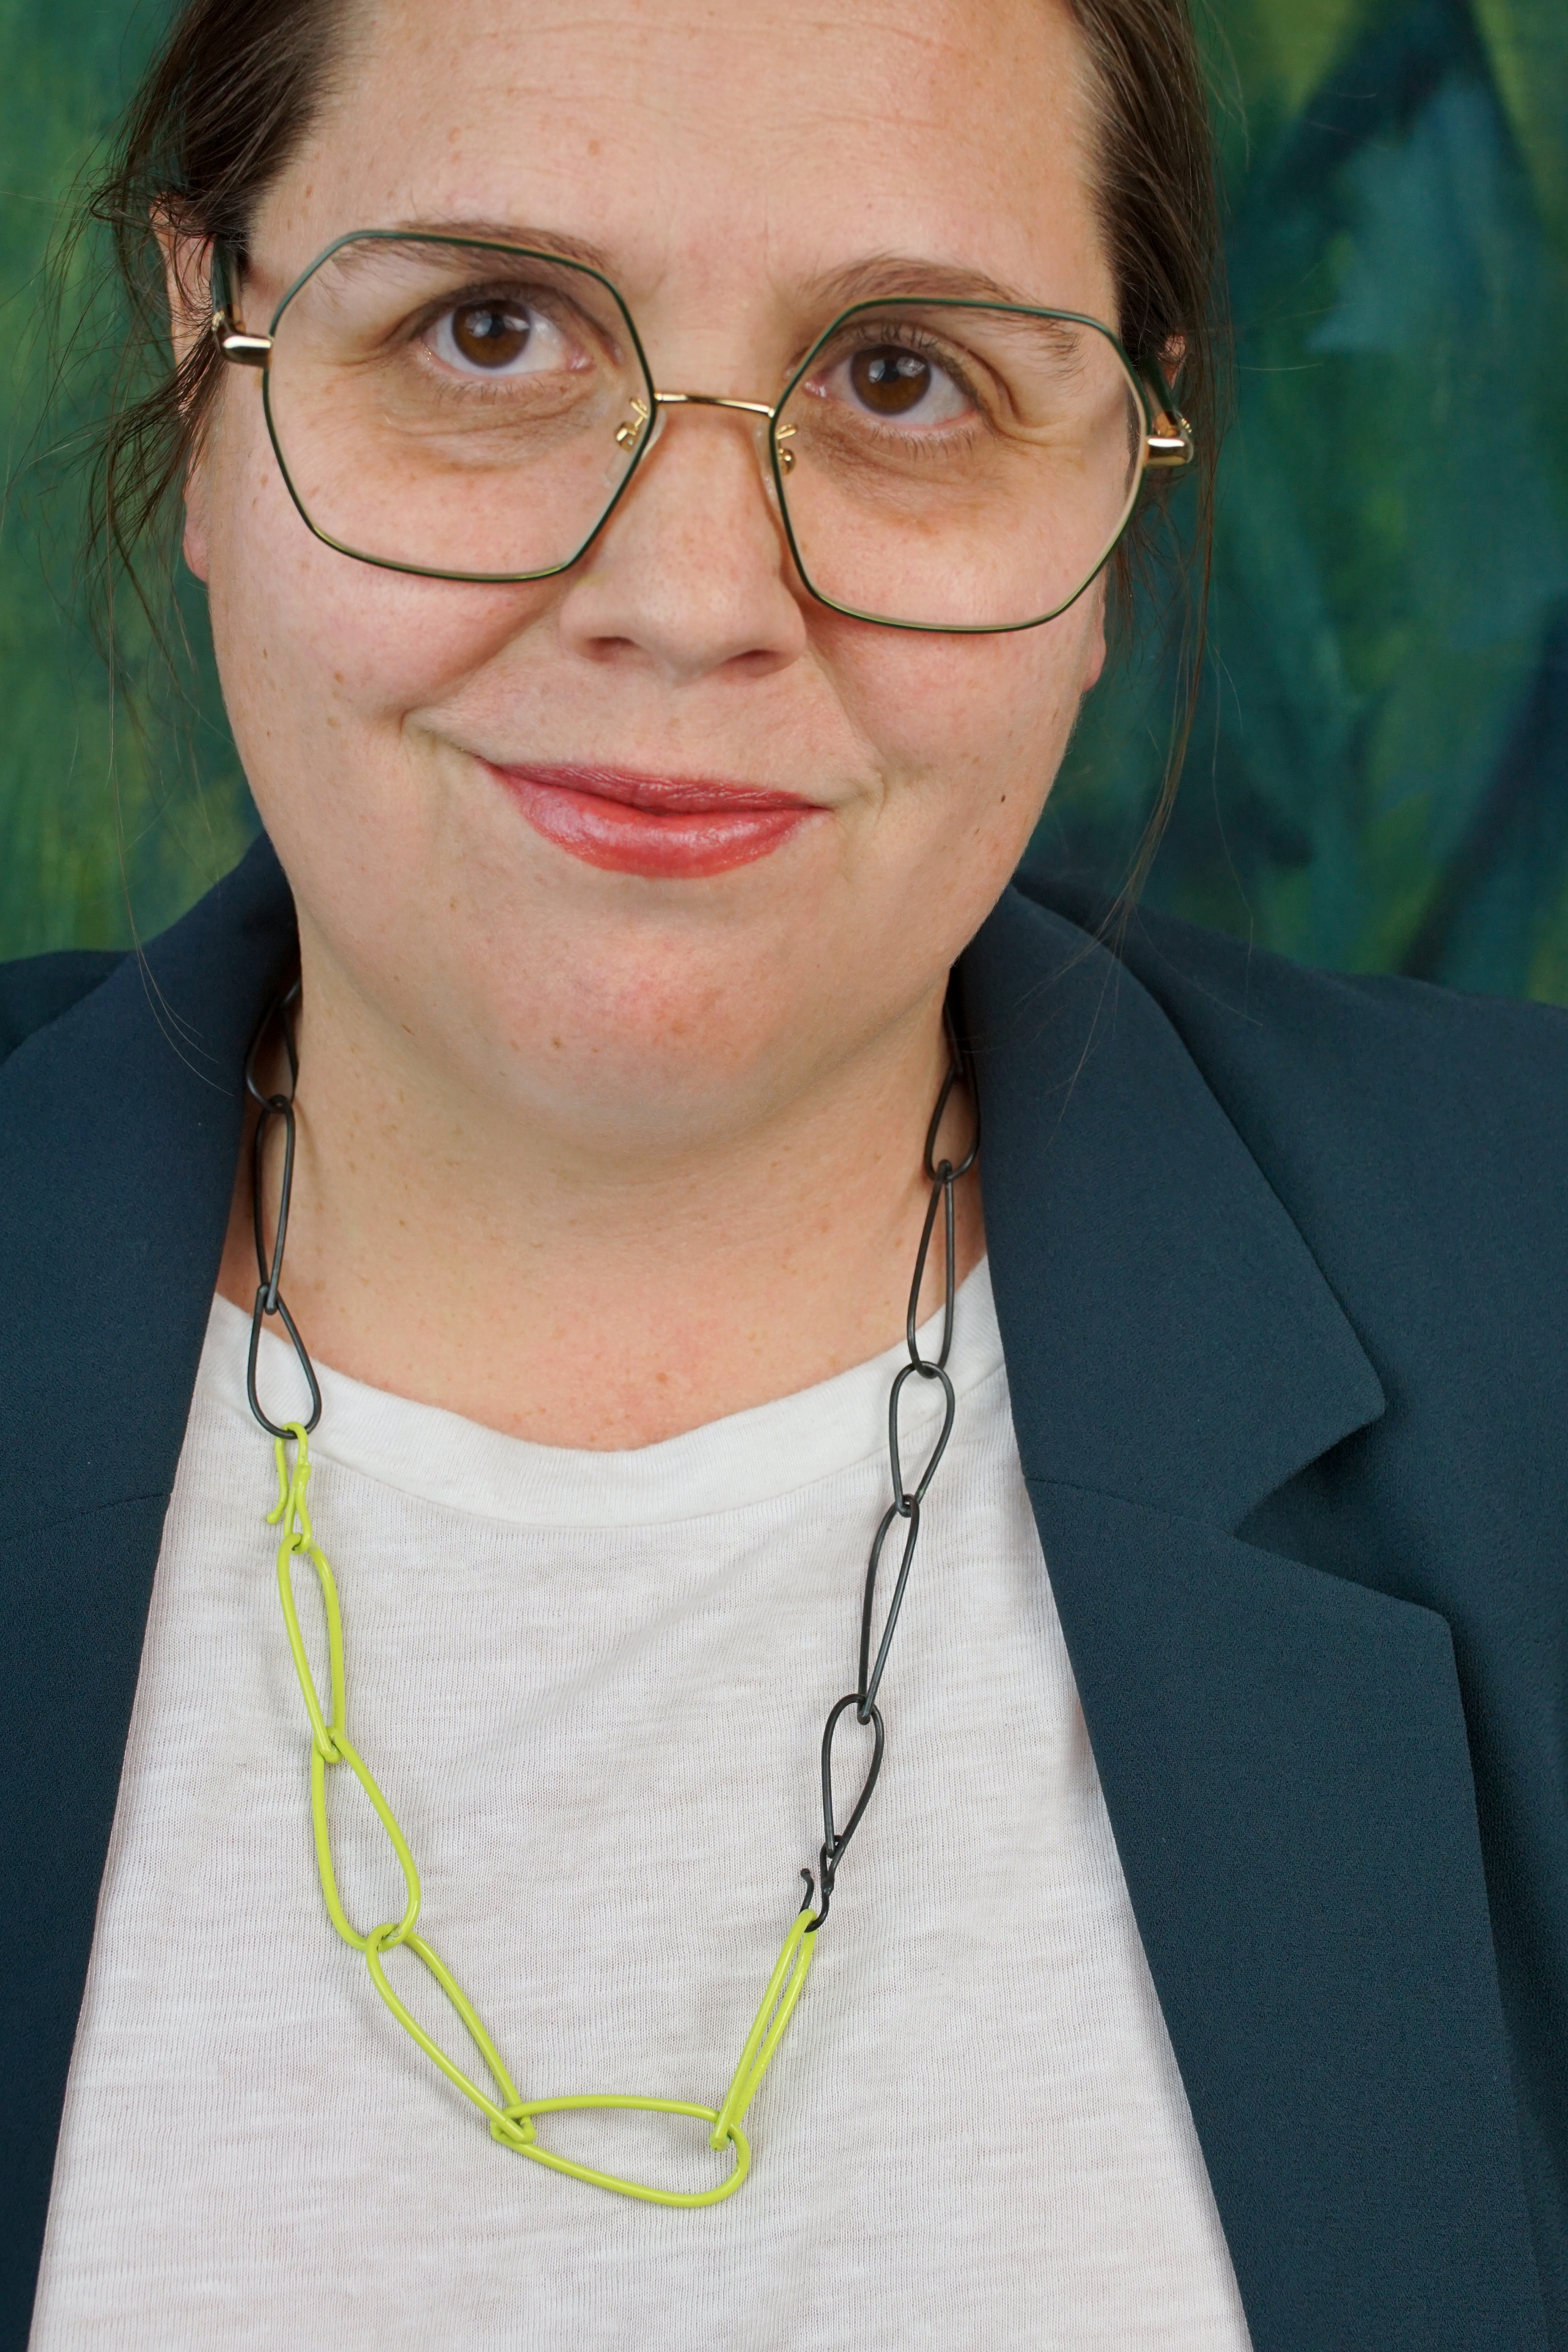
(469, 298)
(874, 335)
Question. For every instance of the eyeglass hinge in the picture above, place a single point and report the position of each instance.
(245, 350)
(1170, 443)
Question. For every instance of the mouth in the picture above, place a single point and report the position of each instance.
(663, 826)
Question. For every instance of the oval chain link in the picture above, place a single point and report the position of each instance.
(511, 2118)
(942, 1175)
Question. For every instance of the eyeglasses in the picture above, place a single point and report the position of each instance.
(470, 410)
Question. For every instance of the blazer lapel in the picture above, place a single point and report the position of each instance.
(119, 1128)
(1283, 1753)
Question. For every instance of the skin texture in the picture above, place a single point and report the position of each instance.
(591, 1156)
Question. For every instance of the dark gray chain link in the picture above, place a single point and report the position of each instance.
(269, 1297)
(905, 1506)
(942, 1175)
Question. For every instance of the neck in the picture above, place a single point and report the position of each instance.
(509, 1265)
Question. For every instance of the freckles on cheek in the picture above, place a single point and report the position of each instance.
(949, 706)
(381, 643)
(293, 616)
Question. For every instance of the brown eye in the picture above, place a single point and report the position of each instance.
(889, 381)
(490, 336)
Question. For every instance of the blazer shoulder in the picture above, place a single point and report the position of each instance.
(1416, 1138)
(1373, 1052)
(36, 990)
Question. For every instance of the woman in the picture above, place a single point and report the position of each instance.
(653, 477)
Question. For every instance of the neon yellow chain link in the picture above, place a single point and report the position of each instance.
(511, 2118)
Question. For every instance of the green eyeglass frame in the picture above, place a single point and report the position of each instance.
(1168, 438)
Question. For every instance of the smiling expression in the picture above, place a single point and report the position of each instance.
(645, 842)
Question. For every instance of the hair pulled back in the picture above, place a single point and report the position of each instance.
(237, 84)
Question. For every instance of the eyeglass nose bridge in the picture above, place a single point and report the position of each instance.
(713, 400)
(629, 434)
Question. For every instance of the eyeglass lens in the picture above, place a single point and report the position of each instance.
(451, 407)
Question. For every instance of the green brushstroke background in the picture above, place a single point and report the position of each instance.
(1378, 776)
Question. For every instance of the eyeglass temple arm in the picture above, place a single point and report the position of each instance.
(245, 351)
(1169, 440)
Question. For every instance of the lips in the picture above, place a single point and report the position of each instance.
(662, 826)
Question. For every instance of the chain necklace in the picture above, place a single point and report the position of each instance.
(511, 2118)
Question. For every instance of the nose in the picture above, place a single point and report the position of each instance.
(692, 575)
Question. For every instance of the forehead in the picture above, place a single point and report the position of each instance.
(715, 148)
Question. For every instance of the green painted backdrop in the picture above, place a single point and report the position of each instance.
(1378, 775)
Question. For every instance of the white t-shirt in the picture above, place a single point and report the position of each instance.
(592, 1687)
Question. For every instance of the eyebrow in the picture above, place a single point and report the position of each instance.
(878, 278)
(885, 276)
(532, 240)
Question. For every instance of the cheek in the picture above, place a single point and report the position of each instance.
(314, 649)
(986, 717)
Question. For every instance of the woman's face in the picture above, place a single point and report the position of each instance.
(733, 169)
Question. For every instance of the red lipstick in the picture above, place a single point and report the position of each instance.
(668, 827)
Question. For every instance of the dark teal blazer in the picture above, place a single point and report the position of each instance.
(1281, 1265)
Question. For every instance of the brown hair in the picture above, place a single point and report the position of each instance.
(224, 105)
(1159, 215)
(234, 89)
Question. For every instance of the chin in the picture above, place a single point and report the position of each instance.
(629, 1032)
